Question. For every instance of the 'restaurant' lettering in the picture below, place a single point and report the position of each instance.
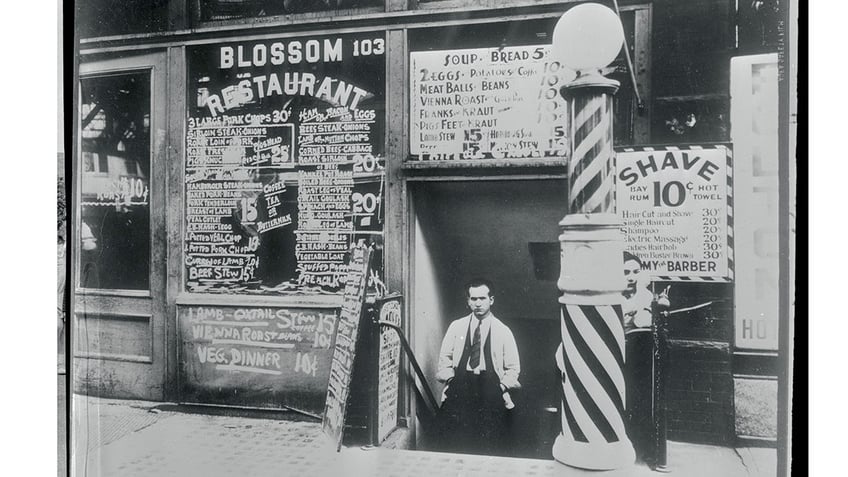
(331, 90)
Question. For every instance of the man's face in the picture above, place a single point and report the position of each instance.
(479, 300)
(634, 276)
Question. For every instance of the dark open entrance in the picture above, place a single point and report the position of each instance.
(506, 231)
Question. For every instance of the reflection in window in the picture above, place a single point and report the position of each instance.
(114, 238)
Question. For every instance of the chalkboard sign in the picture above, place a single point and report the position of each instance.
(284, 162)
(388, 373)
(344, 349)
(264, 357)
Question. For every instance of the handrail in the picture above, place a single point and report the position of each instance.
(429, 393)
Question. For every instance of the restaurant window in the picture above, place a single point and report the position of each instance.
(114, 240)
(284, 162)
(217, 10)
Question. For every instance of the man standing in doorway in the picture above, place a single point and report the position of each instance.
(479, 364)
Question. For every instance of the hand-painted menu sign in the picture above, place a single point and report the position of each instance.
(676, 206)
(256, 356)
(284, 162)
(388, 378)
(487, 103)
(344, 349)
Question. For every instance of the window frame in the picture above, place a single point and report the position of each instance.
(151, 64)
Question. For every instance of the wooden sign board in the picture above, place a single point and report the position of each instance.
(390, 309)
(344, 348)
(487, 103)
(266, 357)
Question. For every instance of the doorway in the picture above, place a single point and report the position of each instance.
(506, 231)
(119, 248)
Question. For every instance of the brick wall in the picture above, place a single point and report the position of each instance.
(700, 392)
(699, 388)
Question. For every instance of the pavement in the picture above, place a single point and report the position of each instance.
(139, 438)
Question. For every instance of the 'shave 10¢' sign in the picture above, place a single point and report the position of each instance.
(676, 205)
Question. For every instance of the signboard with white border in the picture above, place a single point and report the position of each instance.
(676, 206)
(488, 103)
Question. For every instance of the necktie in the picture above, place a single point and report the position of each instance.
(475, 346)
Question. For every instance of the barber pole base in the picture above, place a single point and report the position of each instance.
(590, 360)
(591, 356)
(585, 455)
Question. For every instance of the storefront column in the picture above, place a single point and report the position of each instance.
(591, 355)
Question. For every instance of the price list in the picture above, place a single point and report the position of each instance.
(488, 103)
(284, 162)
(231, 169)
(675, 208)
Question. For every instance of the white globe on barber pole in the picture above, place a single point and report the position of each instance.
(588, 37)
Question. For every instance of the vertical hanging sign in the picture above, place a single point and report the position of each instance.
(344, 349)
(754, 131)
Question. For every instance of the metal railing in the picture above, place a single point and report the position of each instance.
(428, 393)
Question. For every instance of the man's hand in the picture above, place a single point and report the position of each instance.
(445, 375)
(508, 400)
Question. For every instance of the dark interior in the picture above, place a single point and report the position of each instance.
(488, 228)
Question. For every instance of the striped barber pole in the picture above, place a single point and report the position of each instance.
(591, 361)
(591, 167)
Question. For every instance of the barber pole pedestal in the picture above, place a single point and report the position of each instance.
(591, 356)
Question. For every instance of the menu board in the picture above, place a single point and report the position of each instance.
(284, 162)
(344, 349)
(676, 207)
(488, 103)
(388, 377)
(256, 356)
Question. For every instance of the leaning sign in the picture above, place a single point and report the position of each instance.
(344, 346)
(676, 205)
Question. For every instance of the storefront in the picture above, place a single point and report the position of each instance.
(230, 153)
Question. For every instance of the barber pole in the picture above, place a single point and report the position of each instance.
(591, 170)
(591, 356)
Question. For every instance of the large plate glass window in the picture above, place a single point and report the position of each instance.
(284, 162)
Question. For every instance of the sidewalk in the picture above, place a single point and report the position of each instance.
(137, 438)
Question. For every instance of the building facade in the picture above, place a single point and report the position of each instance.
(230, 152)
